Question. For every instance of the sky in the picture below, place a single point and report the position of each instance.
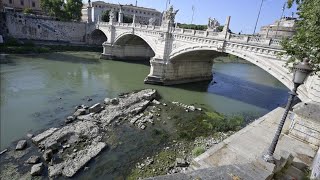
(243, 12)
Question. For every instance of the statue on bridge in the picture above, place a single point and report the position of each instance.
(112, 16)
(169, 17)
(152, 21)
(213, 24)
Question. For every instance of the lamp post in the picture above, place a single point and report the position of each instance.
(300, 74)
(255, 27)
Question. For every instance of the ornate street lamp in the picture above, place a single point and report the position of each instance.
(300, 73)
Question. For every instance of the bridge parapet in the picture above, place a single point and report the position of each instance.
(254, 40)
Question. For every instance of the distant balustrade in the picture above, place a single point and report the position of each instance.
(199, 32)
(188, 31)
(238, 37)
(211, 33)
(275, 42)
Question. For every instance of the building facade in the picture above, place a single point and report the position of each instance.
(20, 5)
(143, 15)
(285, 27)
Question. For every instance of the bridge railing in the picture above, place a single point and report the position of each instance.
(212, 34)
(256, 40)
(275, 42)
(200, 33)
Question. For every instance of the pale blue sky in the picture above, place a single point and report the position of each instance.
(243, 12)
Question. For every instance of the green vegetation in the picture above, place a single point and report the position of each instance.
(192, 26)
(208, 124)
(161, 161)
(161, 134)
(127, 19)
(72, 9)
(197, 151)
(27, 11)
(64, 10)
(306, 41)
(105, 16)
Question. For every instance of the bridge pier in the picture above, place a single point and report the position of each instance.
(178, 72)
(126, 52)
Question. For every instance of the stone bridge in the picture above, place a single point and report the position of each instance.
(184, 55)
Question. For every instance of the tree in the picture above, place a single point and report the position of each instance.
(72, 9)
(69, 10)
(306, 41)
(105, 16)
(127, 19)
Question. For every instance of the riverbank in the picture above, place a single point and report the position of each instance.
(14, 46)
(240, 155)
(65, 150)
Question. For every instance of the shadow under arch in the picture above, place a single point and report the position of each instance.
(97, 37)
(203, 53)
(133, 47)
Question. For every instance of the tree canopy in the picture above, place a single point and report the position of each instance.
(63, 10)
(306, 41)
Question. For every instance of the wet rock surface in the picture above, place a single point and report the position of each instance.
(36, 169)
(21, 145)
(33, 160)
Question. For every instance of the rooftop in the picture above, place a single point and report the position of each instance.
(124, 5)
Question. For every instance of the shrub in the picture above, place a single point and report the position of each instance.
(27, 11)
(11, 41)
(197, 151)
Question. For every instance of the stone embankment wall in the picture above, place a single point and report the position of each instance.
(22, 26)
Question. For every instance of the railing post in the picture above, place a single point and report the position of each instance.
(248, 38)
(269, 41)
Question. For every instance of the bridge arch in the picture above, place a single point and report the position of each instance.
(97, 37)
(131, 35)
(133, 47)
(205, 54)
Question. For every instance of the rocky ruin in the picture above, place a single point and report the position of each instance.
(67, 149)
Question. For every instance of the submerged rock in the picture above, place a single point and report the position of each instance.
(156, 102)
(29, 135)
(95, 108)
(43, 135)
(36, 169)
(47, 155)
(21, 145)
(114, 101)
(181, 162)
(70, 166)
(2, 152)
(70, 119)
(79, 112)
(33, 160)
